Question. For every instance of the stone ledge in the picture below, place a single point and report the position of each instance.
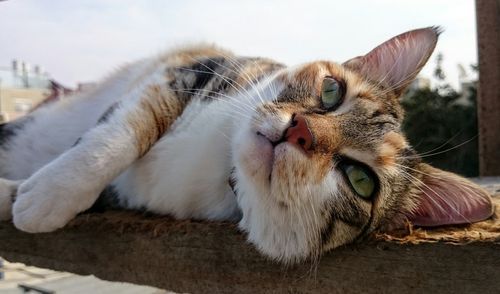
(211, 257)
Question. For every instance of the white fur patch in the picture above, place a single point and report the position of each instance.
(70, 184)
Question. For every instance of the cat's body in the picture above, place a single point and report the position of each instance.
(172, 177)
(306, 158)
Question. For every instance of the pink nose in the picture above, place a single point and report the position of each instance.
(299, 133)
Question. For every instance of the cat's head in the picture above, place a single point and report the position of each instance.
(326, 162)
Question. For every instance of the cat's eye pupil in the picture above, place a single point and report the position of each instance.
(362, 181)
(331, 93)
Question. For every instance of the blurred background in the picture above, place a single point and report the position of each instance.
(50, 49)
(78, 41)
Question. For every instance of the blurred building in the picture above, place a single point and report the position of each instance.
(23, 87)
(467, 85)
(419, 83)
(84, 87)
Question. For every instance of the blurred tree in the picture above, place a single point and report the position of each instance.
(441, 128)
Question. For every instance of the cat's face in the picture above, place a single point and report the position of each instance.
(325, 162)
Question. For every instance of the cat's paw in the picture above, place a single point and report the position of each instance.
(48, 201)
(8, 191)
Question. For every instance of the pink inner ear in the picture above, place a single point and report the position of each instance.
(397, 61)
(448, 199)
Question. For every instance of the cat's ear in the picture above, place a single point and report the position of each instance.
(444, 198)
(396, 62)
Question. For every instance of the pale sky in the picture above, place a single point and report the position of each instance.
(81, 41)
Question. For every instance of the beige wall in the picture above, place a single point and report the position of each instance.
(17, 102)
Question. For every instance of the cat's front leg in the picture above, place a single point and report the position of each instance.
(55, 194)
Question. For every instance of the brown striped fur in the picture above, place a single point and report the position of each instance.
(157, 111)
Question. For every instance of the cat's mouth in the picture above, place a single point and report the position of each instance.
(273, 143)
(268, 151)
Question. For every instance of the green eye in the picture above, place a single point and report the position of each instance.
(361, 180)
(331, 92)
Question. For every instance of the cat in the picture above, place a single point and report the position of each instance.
(304, 158)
